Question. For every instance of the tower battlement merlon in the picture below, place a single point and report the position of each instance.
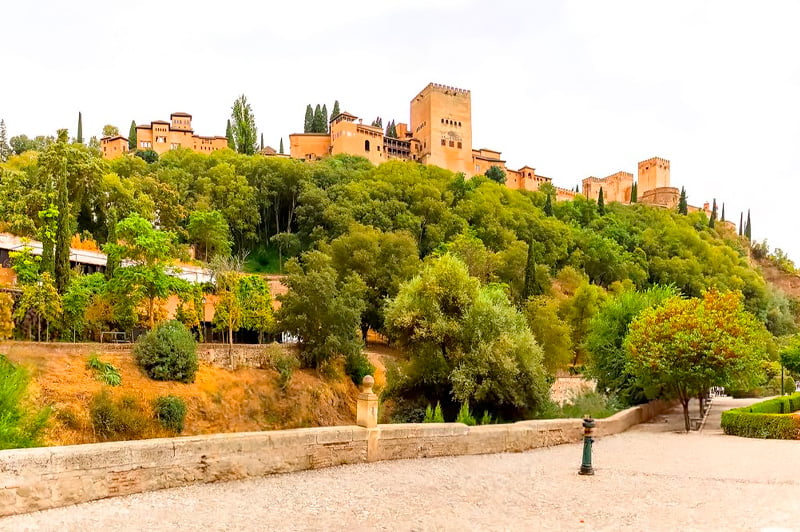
(655, 160)
(443, 88)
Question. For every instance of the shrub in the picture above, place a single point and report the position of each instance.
(594, 404)
(773, 387)
(357, 366)
(768, 419)
(285, 364)
(20, 425)
(168, 353)
(122, 419)
(104, 371)
(170, 411)
(434, 415)
(486, 419)
(465, 416)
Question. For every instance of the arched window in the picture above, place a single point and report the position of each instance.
(366, 145)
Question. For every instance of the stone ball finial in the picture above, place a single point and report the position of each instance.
(368, 383)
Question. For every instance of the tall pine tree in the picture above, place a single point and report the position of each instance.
(281, 148)
(262, 142)
(713, 220)
(634, 193)
(722, 217)
(318, 123)
(548, 205)
(79, 138)
(308, 124)
(741, 223)
(335, 112)
(532, 286)
(601, 203)
(132, 136)
(63, 233)
(748, 229)
(5, 149)
(683, 207)
(229, 136)
(324, 119)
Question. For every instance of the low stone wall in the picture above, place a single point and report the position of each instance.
(49, 477)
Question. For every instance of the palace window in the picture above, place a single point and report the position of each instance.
(443, 142)
(366, 145)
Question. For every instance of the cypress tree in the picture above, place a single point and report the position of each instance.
(634, 192)
(63, 234)
(5, 149)
(741, 225)
(262, 141)
(712, 221)
(308, 124)
(324, 119)
(112, 262)
(132, 140)
(683, 207)
(601, 204)
(577, 189)
(229, 135)
(317, 123)
(723, 212)
(335, 112)
(281, 148)
(548, 205)
(79, 138)
(748, 229)
(531, 287)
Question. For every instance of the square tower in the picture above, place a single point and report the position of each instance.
(653, 173)
(441, 120)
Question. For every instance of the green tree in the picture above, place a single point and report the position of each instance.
(229, 135)
(243, 126)
(63, 235)
(548, 205)
(148, 156)
(685, 346)
(741, 224)
(790, 355)
(601, 203)
(308, 123)
(80, 294)
(496, 174)
(79, 138)
(550, 331)
(110, 131)
(228, 310)
(318, 122)
(324, 119)
(578, 311)
(533, 286)
(132, 140)
(261, 146)
(210, 231)
(256, 304)
(147, 254)
(5, 149)
(683, 207)
(713, 219)
(722, 217)
(335, 111)
(280, 150)
(608, 361)
(634, 193)
(25, 265)
(6, 316)
(20, 425)
(322, 312)
(748, 229)
(47, 235)
(42, 299)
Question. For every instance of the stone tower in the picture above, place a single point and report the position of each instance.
(653, 173)
(441, 119)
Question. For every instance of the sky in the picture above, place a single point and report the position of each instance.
(572, 88)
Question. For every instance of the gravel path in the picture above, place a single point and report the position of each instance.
(649, 478)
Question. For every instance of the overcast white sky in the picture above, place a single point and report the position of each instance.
(574, 88)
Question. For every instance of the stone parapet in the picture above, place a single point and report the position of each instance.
(49, 477)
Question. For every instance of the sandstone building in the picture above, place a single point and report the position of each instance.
(113, 147)
(162, 136)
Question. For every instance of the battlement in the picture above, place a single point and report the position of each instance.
(438, 87)
(656, 161)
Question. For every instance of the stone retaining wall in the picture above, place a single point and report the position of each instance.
(49, 477)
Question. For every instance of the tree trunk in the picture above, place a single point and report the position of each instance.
(38, 328)
(150, 305)
(685, 403)
(701, 398)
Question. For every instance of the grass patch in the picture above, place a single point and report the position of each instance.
(593, 404)
(105, 372)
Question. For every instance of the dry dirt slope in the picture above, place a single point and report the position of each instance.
(219, 400)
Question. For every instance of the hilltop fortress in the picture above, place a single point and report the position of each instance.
(440, 133)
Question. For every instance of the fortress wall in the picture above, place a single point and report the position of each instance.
(49, 477)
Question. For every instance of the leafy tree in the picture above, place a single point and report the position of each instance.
(63, 236)
(228, 311)
(577, 311)
(79, 138)
(686, 346)
(256, 304)
(5, 149)
(308, 124)
(634, 193)
(25, 265)
(496, 174)
(210, 231)
(533, 287)
(110, 131)
(280, 150)
(80, 294)
(790, 355)
(548, 205)
(335, 112)
(6, 316)
(132, 140)
(42, 299)
(550, 331)
(243, 126)
(321, 311)
(601, 204)
(608, 361)
(683, 207)
(21, 143)
(147, 254)
(148, 156)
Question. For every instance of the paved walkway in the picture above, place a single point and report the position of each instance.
(652, 477)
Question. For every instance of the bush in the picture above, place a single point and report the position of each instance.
(122, 419)
(434, 415)
(168, 353)
(20, 425)
(357, 366)
(465, 416)
(170, 411)
(773, 387)
(285, 364)
(767, 419)
(486, 419)
(594, 404)
(105, 372)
